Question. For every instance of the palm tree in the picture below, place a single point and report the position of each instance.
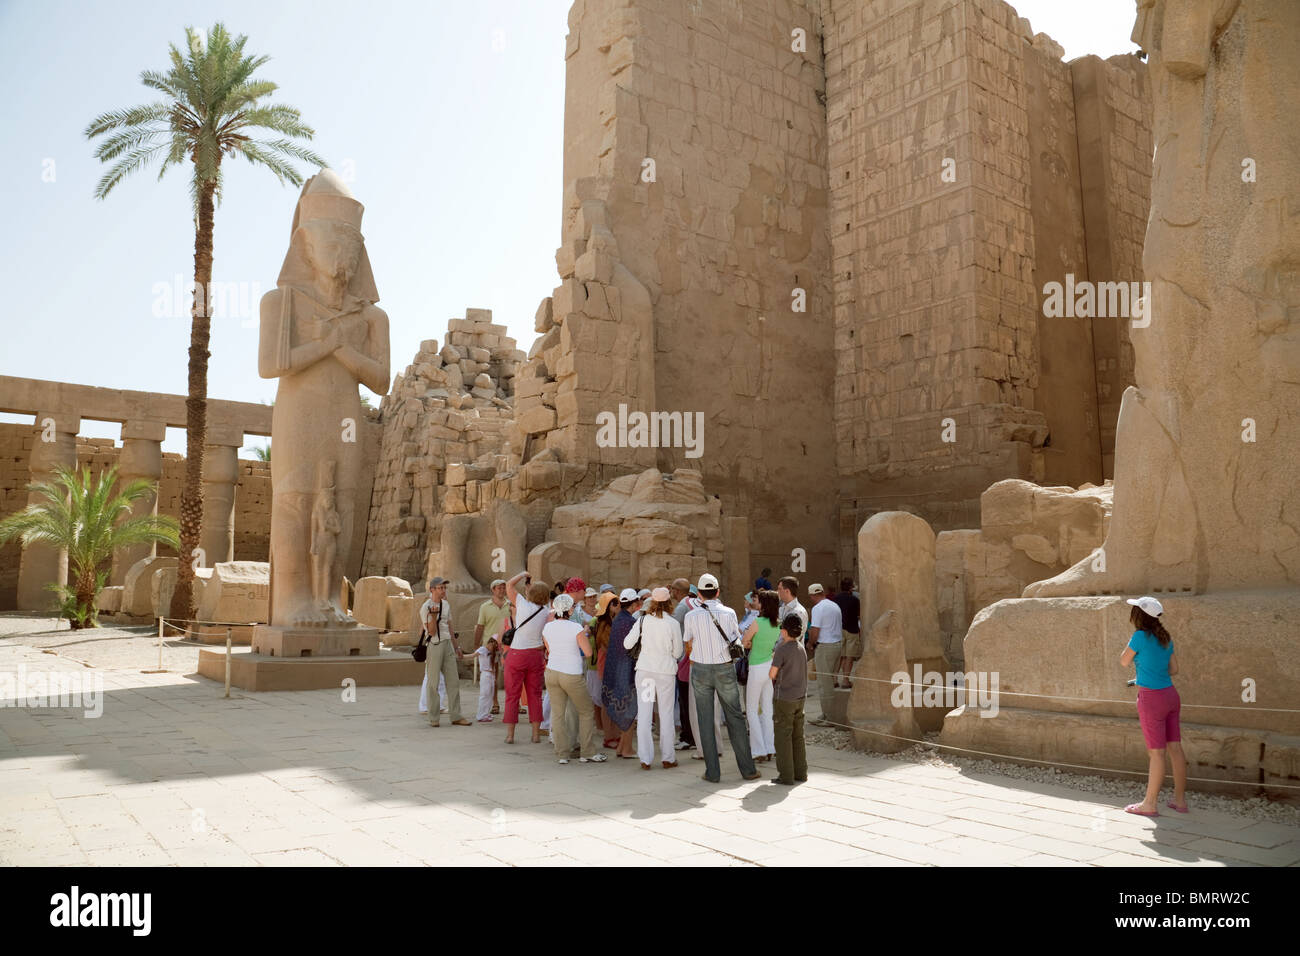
(89, 520)
(210, 108)
(261, 452)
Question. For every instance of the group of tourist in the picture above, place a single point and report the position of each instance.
(612, 662)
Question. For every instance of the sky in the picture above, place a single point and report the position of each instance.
(446, 118)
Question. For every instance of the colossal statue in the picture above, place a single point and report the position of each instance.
(321, 336)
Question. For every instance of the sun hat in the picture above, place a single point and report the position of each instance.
(591, 592)
(629, 596)
(1148, 604)
(606, 599)
(497, 583)
(708, 582)
(816, 589)
(606, 587)
(659, 594)
(643, 593)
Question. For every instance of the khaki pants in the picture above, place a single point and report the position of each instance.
(828, 659)
(570, 690)
(442, 660)
(791, 752)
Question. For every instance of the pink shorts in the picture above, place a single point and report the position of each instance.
(1158, 712)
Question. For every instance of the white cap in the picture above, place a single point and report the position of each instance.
(562, 604)
(591, 592)
(629, 596)
(707, 582)
(660, 594)
(643, 593)
(816, 589)
(497, 582)
(1148, 604)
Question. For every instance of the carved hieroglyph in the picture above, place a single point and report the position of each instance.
(1209, 441)
(321, 336)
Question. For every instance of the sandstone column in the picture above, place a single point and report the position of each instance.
(141, 457)
(220, 475)
(56, 444)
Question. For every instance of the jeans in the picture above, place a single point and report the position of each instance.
(791, 752)
(720, 678)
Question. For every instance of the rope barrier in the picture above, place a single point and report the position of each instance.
(1050, 763)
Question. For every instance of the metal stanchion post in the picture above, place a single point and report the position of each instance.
(161, 625)
(227, 663)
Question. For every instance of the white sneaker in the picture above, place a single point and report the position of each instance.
(598, 758)
(566, 760)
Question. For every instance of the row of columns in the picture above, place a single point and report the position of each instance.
(140, 457)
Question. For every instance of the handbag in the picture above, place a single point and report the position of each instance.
(734, 648)
(421, 651)
(508, 637)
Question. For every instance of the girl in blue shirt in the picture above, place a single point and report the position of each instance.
(1152, 649)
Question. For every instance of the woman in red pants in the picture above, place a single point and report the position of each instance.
(525, 665)
(1152, 650)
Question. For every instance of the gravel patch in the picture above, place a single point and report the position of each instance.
(1254, 808)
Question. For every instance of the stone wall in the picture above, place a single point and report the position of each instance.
(938, 278)
(678, 291)
(252, 495)
(443, 442)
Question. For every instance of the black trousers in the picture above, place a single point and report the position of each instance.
(684, 703)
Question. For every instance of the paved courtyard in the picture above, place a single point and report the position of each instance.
(173, 774)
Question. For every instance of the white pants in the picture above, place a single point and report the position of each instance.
(717, 720)
(487, 686)
(424, 694)
(758, 708)
(649, 688)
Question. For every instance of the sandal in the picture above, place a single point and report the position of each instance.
(1174, 806)
(1136, 808)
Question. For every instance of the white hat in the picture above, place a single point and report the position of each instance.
(498, 581)
(660, 594)
(591, 592)
(1148, 604)
(707, 583)
(629, 596)
(562, 604)
(816, 589)
(643, 593)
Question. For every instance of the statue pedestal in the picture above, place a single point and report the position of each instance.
(260, 672)
(297, 642)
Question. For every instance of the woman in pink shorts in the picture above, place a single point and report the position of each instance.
(1152, 649)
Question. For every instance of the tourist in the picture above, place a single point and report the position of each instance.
(789, 677)
(567, 651)
(761, 583)
(1152, 650)
(678, 591)
(585, 612)
(608, 588)
(598, 636)
(709, 629)
(643, 596)
(435, 616)
(690, 715)
(788, 590)
(487, 679)
(442, 694)
(660, 641)
(850, 612)
(618, 689)
(761, 638)
(751, 611)
(525, 660)
(825, 641)
(491, 614)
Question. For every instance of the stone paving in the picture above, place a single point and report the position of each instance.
(173, 774)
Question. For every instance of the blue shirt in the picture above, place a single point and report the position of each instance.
(1152, 660)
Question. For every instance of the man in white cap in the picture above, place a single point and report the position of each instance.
(490, 615)
(709, 630)
(435, 615)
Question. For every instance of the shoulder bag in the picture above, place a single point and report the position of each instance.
(634, 652)
(421, 651)
(508, 637)
(734, 648)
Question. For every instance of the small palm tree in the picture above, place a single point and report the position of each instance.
(90, 520)
(262, 452)
(210, 107)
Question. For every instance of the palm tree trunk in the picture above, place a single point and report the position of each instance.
(196, 410)
(85, 597)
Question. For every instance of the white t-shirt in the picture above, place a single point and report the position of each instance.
(564, 655)
(530, 635)
(826, 616)
(444, 621)
(794, 607)
(484, 662)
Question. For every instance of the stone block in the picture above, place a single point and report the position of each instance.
(370, 603)
(238, 592)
